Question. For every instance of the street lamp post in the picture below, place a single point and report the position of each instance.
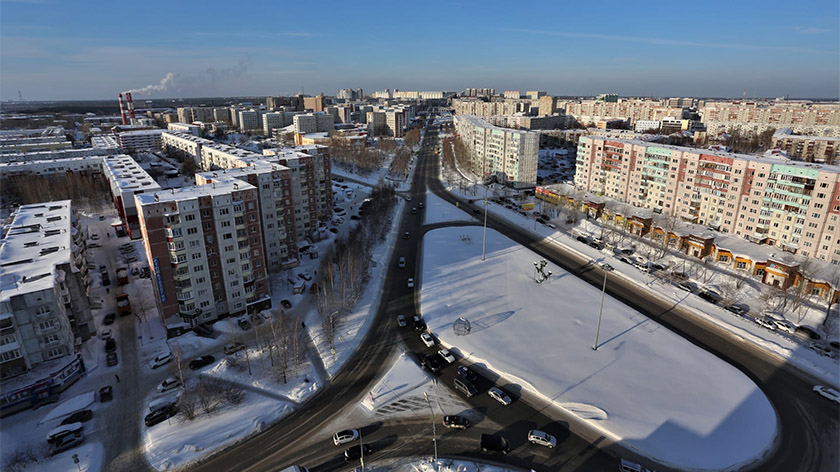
(434, 431)
(600, 312)
(484, 238)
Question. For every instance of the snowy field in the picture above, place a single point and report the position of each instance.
(403, 377)
(645, 386)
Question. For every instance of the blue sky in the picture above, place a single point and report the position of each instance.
(87, 50)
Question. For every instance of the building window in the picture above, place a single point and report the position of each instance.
(10, 355)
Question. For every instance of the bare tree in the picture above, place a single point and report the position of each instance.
(177, 364)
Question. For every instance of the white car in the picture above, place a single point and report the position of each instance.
(767, 323)
(784, 325)
(829, 393)
(410, 282)
(446, 355)
(541, 438)
(169, 384)
(427, 339)
(499, 395)
(346, 436)
(106, 334)
(160, 360)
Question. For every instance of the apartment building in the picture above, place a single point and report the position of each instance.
(249, 120)
(44, 306)
(316, 104)
(126, 178)
(770, 200)
(311, 190)
(274, 120)
(313, 123)
(60, 154)
(205, 248)
(548, 105)
(806, 147)
(144, 140)
(813, 118)
(480, 107)
(104, 141)
(592, 111)
(194, 130)
(12, 144)
(184, 145)
(510, 155)
(511, 94)
(276, 207)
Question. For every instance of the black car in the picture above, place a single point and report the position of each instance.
(455, 421)
(105, 281)
(334, 230)
(495, 443)
(285, 304)
(710, 296)
(111, 359)
(109, 318)
(582, 239)
(78, 417)
(202, 361)
(806, 331)
(467, 373)
(355, 452)
(110, 345)
(431, 362)
(245, 325)
(406, 235)
(419, 324)
(161, 414)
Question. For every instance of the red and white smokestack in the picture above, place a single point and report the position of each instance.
(122, 110)
(130, 106)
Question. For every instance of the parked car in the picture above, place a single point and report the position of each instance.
(823, 350)
(410, 282)
(406, 235)
(419, 324)
(456, 422)
(233, 348)
(710, 296)
(467, 373)
(109, 318)
(401, 321)
(160, 360)
(110, 345)
(499, 395)
(73, 429)
(688, 286)
(160, 415)
(807, 331)
(355, 452)
(427, 339)
(829, 393)
(170, 383)
(345, 436)
(784, 325)
(111, 359)
(542, 438)
(737, 309)
(80, 416)
(766, 323)
(430, 362)
(106, 393)
(243, 324)
(446, 355)
(401, 263)
(106, 334)
(465, 386)
(679, 276)
(202, 361)
(66, 443)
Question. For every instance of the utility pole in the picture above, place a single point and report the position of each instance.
(484, 238)
(434, 431)
(600, 312)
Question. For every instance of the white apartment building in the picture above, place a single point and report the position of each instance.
(813, 118)
(791, 204)
(273, 120)
(144, 140)
(194, 130)
(645, 125)
(126, 179)
(44, 308)
(184, 145)
(249, 120)
(510, 155)
(313, 123)
(205, 249)
(105, 141)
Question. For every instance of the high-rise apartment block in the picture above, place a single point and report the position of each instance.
(813, 118)
(249, 120)
(808, 148)
(791, 204)
(187, 128)
(43, 302)
(313, 123)
(315, 104)
(509, 155)
(138, 141)
(548, 105)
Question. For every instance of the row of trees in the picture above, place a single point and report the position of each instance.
(358, 159)
(346, 268)
(87, 192)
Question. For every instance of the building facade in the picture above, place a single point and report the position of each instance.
(510, 155)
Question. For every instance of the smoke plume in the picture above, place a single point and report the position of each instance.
(164, 85)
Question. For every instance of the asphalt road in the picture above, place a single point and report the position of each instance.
(808, 423)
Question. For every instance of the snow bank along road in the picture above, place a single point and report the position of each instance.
(808, 425)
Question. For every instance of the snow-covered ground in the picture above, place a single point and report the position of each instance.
(645, 385)
(428, 465)
(403, 377)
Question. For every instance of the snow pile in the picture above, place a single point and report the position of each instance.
(79, 402)
(403, 377)
(645, 385)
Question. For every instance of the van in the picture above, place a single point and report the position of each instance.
(465, 387)
(74, 429)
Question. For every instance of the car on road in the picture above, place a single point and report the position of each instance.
(109, 319)
(66, 443)
(78, 417)
(345, 436)
(420, 205)
(494, 443)
(106, 393)
(710, 296)
(233, 348)
(410, 282)
(823, 350)
(111, 359)
(465, 386)
(688, 286)
(334, 230)
(105, 280)
(355, 217)
(106, 334)
(202, 361)
(827, 392)
(736, 309)
(419, 324)
(401, 263)
(406, 235)
(427, 339)
(807, 331)
(160, 360)
(467, 373)
(446, 355)
(169, 384)
(160, 415)
(414, 210)
(784, 325)
(766, 323)
(286, 304)
(401, 321)
(110, 345)
(355, 452)
(476, 210)
(541, 438)
(430, 362)
(456, 422)
(499, 395)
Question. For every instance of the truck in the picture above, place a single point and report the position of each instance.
(123, 305)
(122, 276)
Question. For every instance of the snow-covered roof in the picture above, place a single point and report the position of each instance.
(183, 193)
(34, 243)
(125, 173)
